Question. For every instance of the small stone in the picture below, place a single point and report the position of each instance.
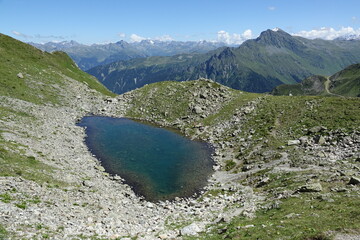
(249, 226)
(149, 205)
(163, 236)
(290, 215)
(354, 180)
(304, 140)
(88, 183)
(316, 129)
(320, 140)
(312, 187)
(222, 230)
(117, 177)
(20, 75)
(203, 95)
(293, 142)
(100, 168)
(263, 182)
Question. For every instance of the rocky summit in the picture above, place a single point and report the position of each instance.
(287, 167)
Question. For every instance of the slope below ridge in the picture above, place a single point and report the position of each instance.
(257, 65)
(345, 83)
(42, 73)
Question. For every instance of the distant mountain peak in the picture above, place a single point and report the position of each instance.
(277, 29)
(276, 37)
(349, 37)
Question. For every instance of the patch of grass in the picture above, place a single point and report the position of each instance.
(280, 118)
(5, 197)
(297, 218)
(3, 233)
(36, 200)
(15, 164)
(229, 164)
(21, 205)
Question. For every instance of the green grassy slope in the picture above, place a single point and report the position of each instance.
(41, 71)
(346, 82)
(314, 85)
(343, 83)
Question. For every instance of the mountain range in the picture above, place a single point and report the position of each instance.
(257, 65)
(87, 57)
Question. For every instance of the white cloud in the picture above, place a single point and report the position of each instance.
(328, 33)
(122, 35)
(21, 34)
(272, 8)
(235, 38)
(136, 38)
(247, 34)
(39, 36)
(164, 38)
(50, 36)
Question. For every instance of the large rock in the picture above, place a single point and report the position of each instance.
(320, 140)
(304, 140)
(20, 75)
(191, 230)
(311, 187)
(354, 180)
(197, 110)
(293, 142)
(316, 129)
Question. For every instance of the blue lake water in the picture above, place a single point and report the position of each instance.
(157, 163)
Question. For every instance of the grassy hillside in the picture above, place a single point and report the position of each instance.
(343, 83)
(42, 72)
(314, 85)
(346, 82)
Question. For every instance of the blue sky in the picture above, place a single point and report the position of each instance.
(101, 21)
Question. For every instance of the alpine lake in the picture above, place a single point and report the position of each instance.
(158, 163)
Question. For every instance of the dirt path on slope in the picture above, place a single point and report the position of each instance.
(327, 85)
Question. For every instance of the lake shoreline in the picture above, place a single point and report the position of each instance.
(88, 189)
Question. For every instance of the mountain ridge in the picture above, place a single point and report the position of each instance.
(88, 56)
(257, 65)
